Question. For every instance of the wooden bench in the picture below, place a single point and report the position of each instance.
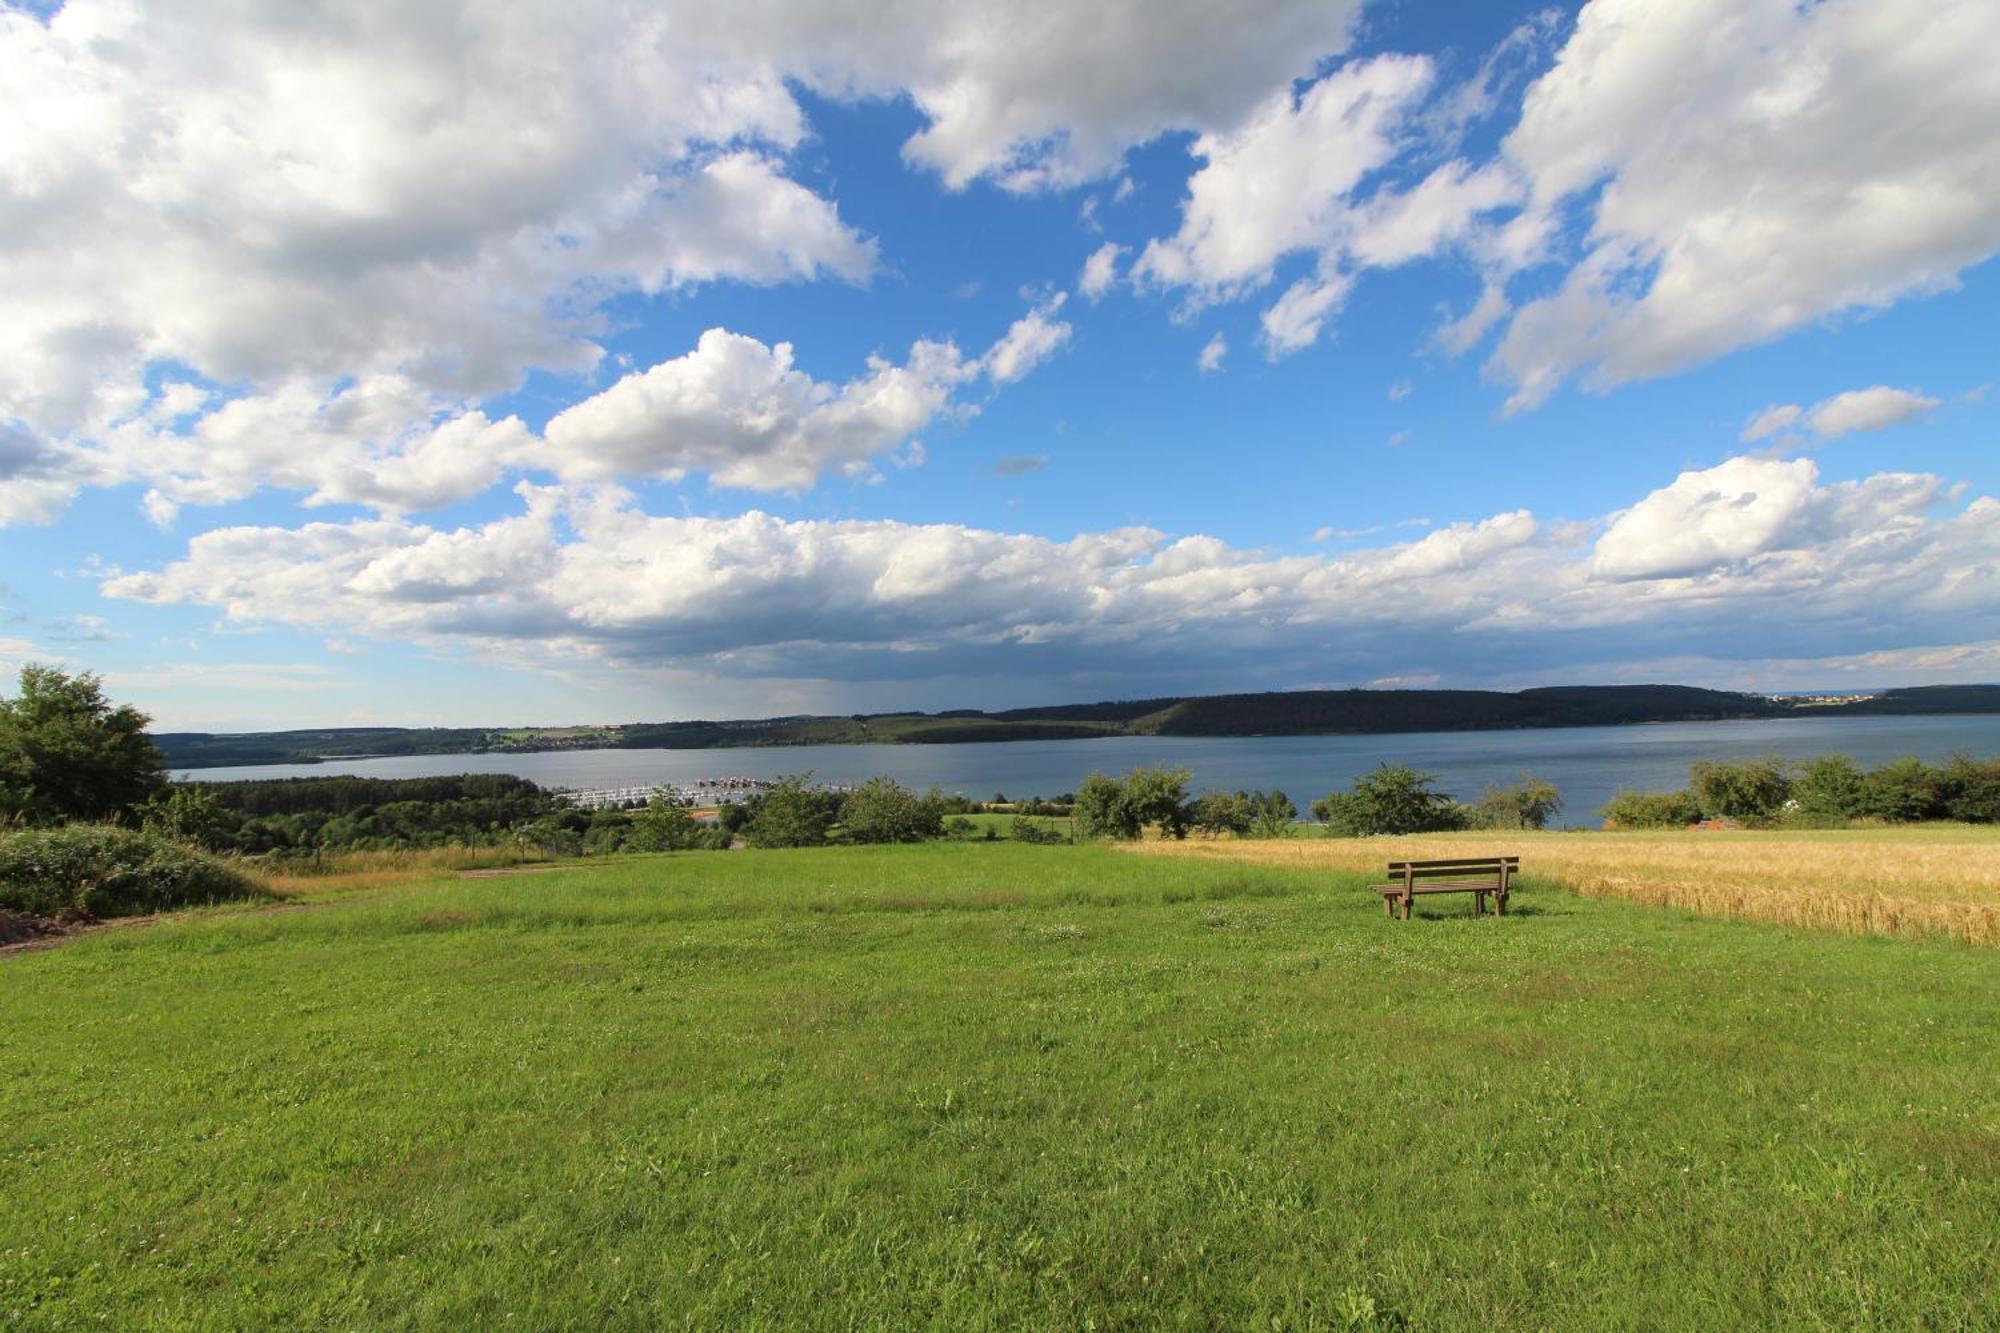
(1476, 875)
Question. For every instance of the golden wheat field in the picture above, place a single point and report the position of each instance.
(1920, 880)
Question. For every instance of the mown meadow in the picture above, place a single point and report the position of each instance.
(986, 1085)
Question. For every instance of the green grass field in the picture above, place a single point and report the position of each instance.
(992, 1086)
(1002, 823)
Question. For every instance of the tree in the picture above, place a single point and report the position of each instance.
(1831, 787)
(1104, 809)
(1272, 814)
(68, 753)
(884, 810)
(552, 835)
(1395, 798)
(1159, 797)
(1529, 803)
(1751, 789)
(1108, 807)
(792, 813)
(664, 825)
(1215, 813)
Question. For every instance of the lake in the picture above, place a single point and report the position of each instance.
(1588, 764)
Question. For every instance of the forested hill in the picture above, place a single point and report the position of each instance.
(1292, 713)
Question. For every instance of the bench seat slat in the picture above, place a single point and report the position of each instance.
(1395, 891)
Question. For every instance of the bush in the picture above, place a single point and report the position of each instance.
(1395, 798)
(1753, 789)
(1529, 803)
(104, 870)
(1218, 812)
(1971, 789)
(1272, 814)
(1829, 789)
(1159, 797)
(884, 810)
(792, 813)
(1108, 807)
(187, 814)
(1651, 809)
(1904, 791)
(1104, 809)
(664, 826)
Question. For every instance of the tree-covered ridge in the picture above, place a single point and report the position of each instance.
(1290, 713)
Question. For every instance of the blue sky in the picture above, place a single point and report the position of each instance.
(514, 364)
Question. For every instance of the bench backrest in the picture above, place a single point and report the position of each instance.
(1455, 866)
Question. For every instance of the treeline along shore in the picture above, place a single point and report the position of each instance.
(1289, 713)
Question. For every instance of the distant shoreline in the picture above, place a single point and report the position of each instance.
(1239, 716)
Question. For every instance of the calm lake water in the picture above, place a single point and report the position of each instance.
(1588, 764)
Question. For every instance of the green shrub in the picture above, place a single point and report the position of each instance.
(1395, 798)
(1829, 788)
(1971, 789)
(1104, 809)
(1651, 809)
(1159, 797)
(109, 871)
(1529, 803)
(665, 825)
(1272, 814)
(884, 810)
(1750, 789)
(1904, 791)
(1215, 813)
(1108, 807)
(792, 813)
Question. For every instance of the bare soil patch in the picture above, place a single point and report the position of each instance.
(18, 928)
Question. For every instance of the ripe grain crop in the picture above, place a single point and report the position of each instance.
(1922, 880)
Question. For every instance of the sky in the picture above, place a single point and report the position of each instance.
(569, 362)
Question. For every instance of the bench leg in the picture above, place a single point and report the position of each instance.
(1500, 904)
(1478, 904)
(1406, 907)
(1389, 906)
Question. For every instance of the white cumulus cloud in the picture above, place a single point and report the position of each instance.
(1843, 414)
(1029, 341)
(1755, 554)
(1867, 409)
(743, 413)
(1100, 271)
(1769, 422)
(1746, 167)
